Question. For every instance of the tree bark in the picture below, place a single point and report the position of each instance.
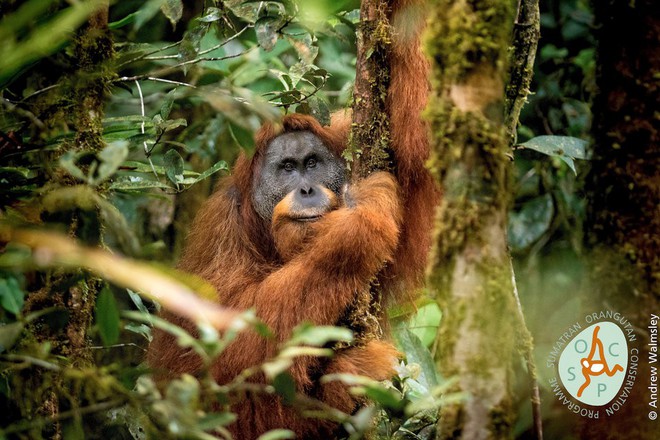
(370, 137)
(526, 34)
(470, 270)
(79, 104)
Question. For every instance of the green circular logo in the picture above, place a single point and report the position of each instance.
(593, 365)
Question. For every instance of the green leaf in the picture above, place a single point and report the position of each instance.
(183, 338)
(417, 353)
(72, 429)
(11, 295)
(384, 397)
(425, 322)
(266, 30)
(297, 71)
(218, 166)
(9, 333)
(107, 316)
(171, 124)
(276, 366)
(140, 329)
(68, 162)
(319, 109)
(318, 336)
(529, 224)
(133, 118)
(173, 10)
(586, 59)
(564, 147)
(136, 183)
(111, 157)
(141, 167)
(212, 421)
(293, 352)
(550, 51)
(130, 18)
(559, 145)
(173, 163)
(166, 107)
(211, 15)
(285, 386)
(137, 300)
(277, 434)
(45, 39)
(183, 392)
(148, 10)
(12, 173)
(305, 48)
(189, 47)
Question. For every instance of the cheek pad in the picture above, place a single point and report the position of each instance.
(267, 193)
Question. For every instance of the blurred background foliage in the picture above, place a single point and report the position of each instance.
(184, 87)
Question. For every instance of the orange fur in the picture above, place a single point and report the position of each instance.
(407, 96)
(291, 273)
(348, 245)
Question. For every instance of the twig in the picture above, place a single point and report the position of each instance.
(15, 108)
(233, 37)
(526, 34)
(29, 424)
(211, 49)
(226, 57)
(528, 354)
(144, 55)
(168, 69)
(302, 99)
(45, 89)
(33, 361)
(151, 78)
(146, 148)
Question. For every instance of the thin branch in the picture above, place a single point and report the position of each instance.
(144, 55)
(34, 423)
(528, 354)
(29, 360)
(162, 57)
(226, 57)
(23, 112)
(40, 91)
(233, 37)
(526, 34)
(302, 99)
(146, 148)
(151, 78)
(168, 69)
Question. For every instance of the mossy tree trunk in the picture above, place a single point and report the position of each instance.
(369, 142)
(75, 104)
(623, 186)
(370, 136)
(469, 268)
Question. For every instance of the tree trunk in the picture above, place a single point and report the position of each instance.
(470, 269)
(78, 102)
(623, 216)
(370, 137)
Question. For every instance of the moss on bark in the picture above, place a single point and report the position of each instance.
(370, 137)
(77, 105)
(470, 272)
